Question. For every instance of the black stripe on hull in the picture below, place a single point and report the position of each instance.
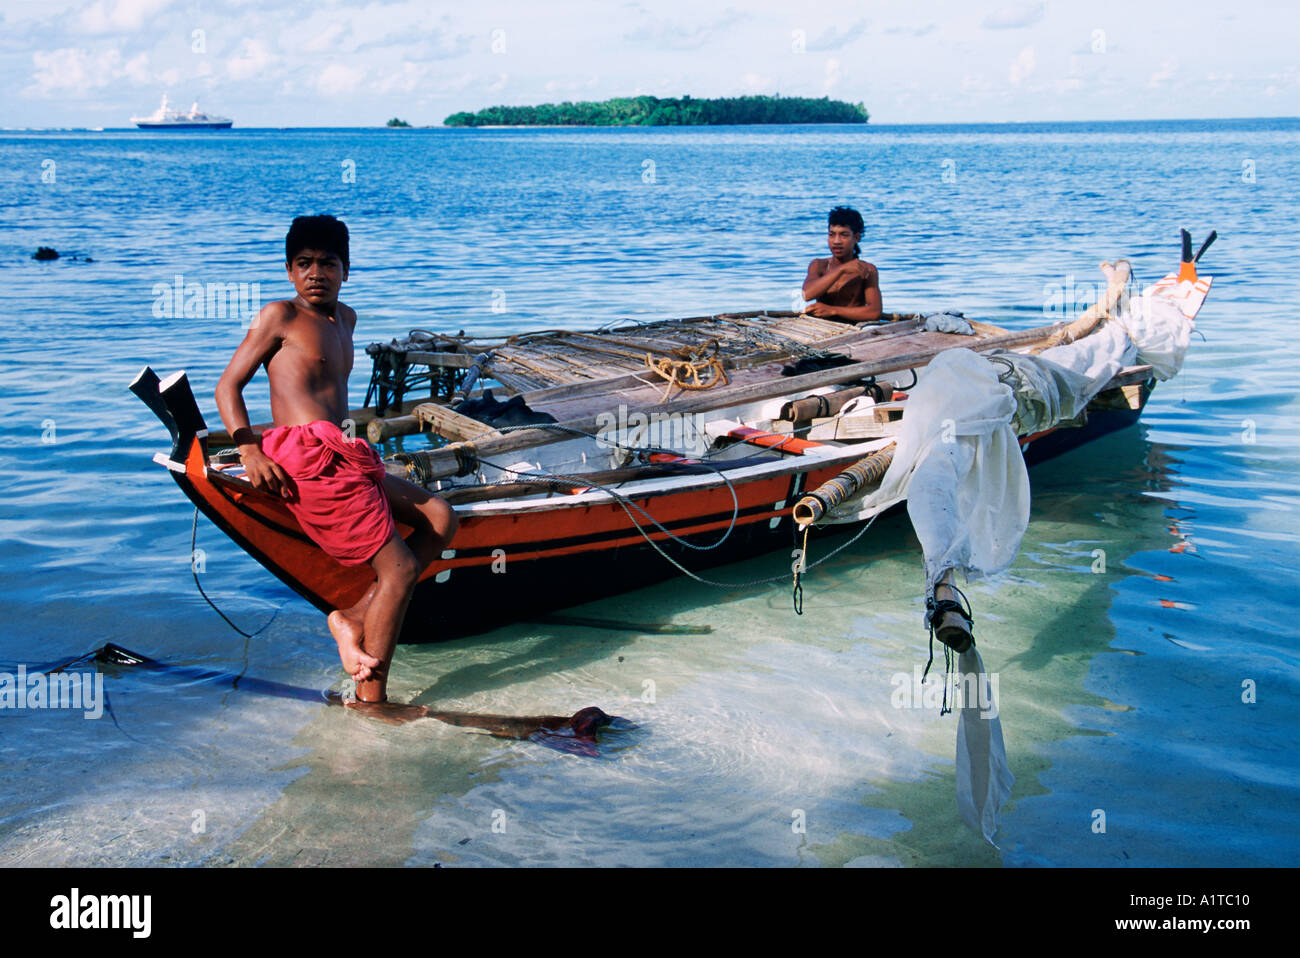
(1100, 423)
(219, 521)
(475, 599)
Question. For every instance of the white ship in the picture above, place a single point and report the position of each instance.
(165, 119)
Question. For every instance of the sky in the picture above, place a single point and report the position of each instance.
(336, 63)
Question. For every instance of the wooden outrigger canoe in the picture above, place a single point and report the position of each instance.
(562, 513)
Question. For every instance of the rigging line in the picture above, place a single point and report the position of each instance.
(557, 427)
(753, 582)
(625, 502)
(92, 655)
(194, 535)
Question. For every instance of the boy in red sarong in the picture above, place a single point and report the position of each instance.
(335, 487)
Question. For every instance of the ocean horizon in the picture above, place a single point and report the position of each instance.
(980, 125)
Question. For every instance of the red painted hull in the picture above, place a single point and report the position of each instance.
(514, 562)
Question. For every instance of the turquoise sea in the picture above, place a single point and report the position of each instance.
(1158, 687)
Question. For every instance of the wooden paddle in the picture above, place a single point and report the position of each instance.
(575, 734)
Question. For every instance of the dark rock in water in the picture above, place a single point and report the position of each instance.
(49, 253)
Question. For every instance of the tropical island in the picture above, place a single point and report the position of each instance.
(397, 123)
(670, 111)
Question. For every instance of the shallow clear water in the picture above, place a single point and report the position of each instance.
(1121, 690)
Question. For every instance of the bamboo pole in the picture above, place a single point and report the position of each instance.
(820, 407)
(443, 420)
(900, 327)
(832, 492)
(513, 490)
(1097, 314)
(360, 417)
(451, 460)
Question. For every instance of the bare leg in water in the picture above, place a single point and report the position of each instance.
(369, 629)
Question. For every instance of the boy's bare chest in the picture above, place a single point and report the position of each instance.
(323, 347)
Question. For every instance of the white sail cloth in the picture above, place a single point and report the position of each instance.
(959, 466)
(958, 462)
(984, 778)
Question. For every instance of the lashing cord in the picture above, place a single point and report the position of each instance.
(628, 505)
(935, 610)
(194, 536)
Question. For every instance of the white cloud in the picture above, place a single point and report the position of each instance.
(264, 59)
(1023, 65)
(251, 60)
(137, 69)
(667, 34)
(325, 39)
(1166, 71)
(338, 79)
(920, 31)
(116, 16)
(567, 87)
(453, 84)
(1015, 16)
(832, 39)
(73, 70)
(350, 29)
(405, 79)
(833, 75)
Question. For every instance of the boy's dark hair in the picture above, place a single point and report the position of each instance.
(847, 216)
(317, 232)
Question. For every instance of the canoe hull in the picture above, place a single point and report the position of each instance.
(506, 566)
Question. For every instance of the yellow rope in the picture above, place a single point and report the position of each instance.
(689, 368)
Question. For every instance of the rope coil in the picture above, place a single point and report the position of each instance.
(689, 368)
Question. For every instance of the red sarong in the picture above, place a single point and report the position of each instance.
(339, 500)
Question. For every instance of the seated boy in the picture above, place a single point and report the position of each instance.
(335, 487)
(844, 286)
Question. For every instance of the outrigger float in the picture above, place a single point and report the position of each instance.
(626, 454)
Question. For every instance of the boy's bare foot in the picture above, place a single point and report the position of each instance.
(347, 633)
(392, 713)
